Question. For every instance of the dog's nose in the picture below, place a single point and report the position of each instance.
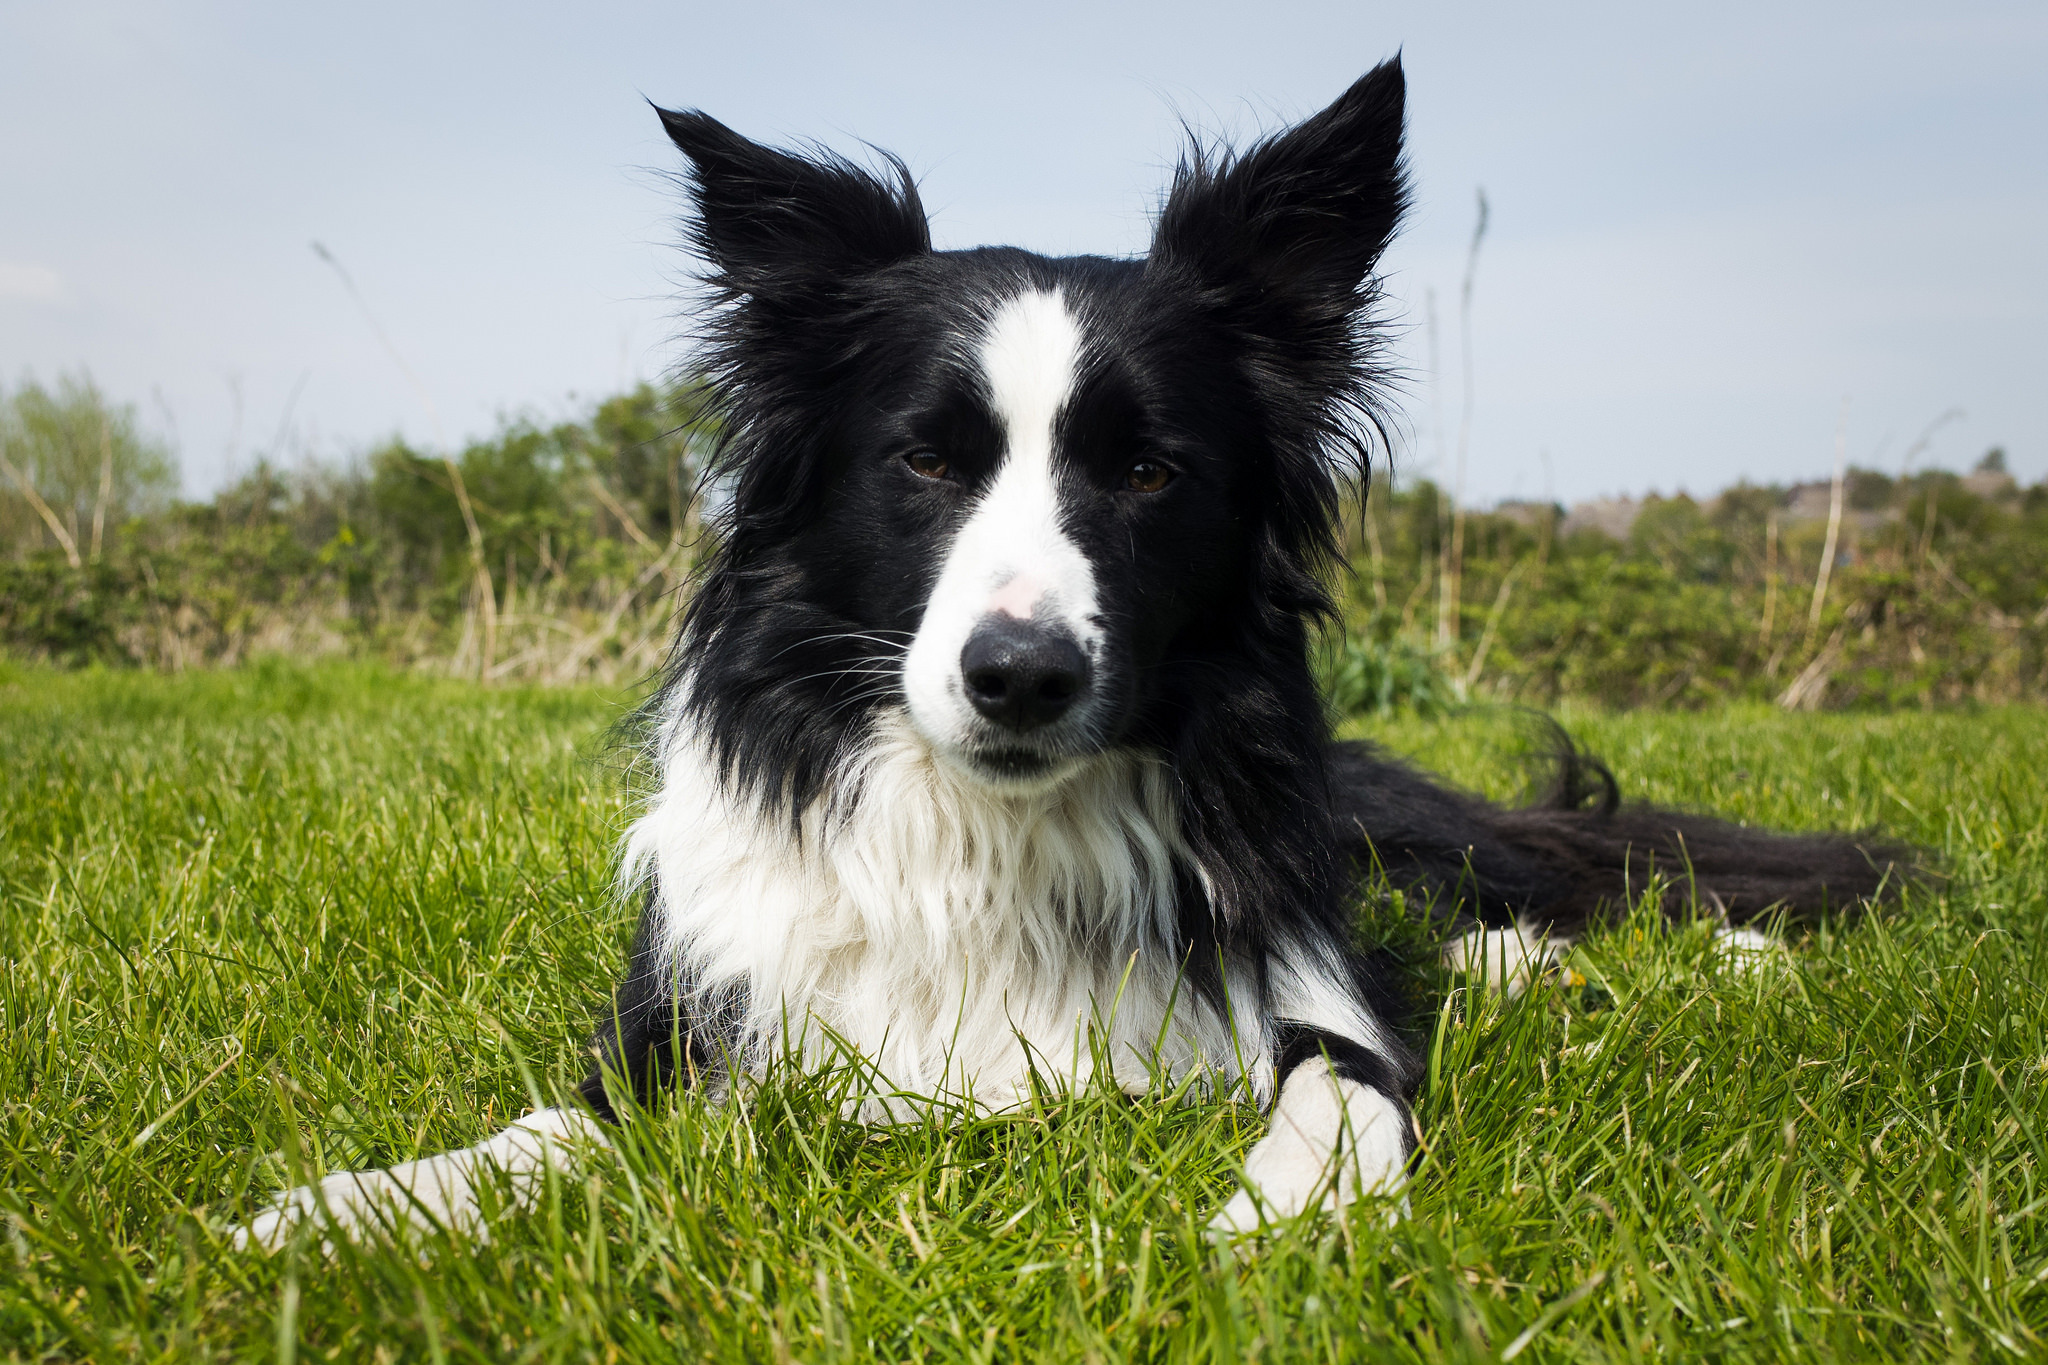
(1021, 675)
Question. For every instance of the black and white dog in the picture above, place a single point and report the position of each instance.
(990, 744)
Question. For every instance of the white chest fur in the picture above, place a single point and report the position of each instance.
(955, 935)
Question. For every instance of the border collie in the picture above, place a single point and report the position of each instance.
(990, 748)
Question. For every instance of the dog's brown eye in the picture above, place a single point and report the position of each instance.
(1147, 476)
(928, 465)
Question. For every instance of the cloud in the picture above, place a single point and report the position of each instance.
(19, 281)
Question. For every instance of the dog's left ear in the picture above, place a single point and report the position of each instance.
(783, 229)
(1299, 218)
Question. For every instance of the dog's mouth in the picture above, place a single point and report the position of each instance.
(1002, 764)
(1006, 761)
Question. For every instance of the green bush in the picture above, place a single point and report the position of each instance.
(584, 530)
(1935, 597)
(1363, 677)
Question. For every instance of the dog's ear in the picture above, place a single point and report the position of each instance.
(1298, 218)
(773, 224)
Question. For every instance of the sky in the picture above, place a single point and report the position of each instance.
(1721, 237)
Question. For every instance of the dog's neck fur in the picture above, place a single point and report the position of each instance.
(956, 935)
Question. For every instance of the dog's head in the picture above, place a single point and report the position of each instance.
(1048, 506)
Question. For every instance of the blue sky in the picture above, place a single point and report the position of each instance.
(1711, 224)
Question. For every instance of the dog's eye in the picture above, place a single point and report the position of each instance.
(926, 464)
(1147, 476)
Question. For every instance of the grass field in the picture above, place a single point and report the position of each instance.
(261, 923)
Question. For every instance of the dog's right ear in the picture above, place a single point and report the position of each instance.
(778, 227)
(1292, 227)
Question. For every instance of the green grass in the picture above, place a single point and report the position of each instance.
(261, 923)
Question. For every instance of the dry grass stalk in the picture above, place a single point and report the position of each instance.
(1372, 541)
(1443, 523)
(43, 510)
(1500, 605)
(1770, 580)
(1804, 693)
(1454, 560)
(1927, 528)
(99, 506)
(623, 517)
(1827, 553)
(485, 597)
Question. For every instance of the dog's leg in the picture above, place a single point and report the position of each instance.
(1339, 1130)
(653, 1010)
(441, 1190)
(667, 1027)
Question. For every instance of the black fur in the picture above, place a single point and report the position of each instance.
(1242, 352)
(655, 1022)
(1580, 854)
(1346, 1058)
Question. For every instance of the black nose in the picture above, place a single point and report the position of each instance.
(1021, 675)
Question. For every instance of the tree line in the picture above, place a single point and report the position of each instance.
(558, 553)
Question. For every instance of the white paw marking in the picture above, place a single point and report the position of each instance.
(1747, 950)
(1331, 1141)
(433, 1191)
(1505, 959)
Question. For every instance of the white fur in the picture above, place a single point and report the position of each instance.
(1506, 959)
(1011, 555)
(1746, 949)
(952, 932)
(1331, 1140)
(438, 1190)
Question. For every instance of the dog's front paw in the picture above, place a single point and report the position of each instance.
(272, 1228)
(435, 1191)
(1238, 1219)
(1331, 1142)
(1746, 949)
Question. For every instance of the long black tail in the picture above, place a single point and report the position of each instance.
(1581, 854)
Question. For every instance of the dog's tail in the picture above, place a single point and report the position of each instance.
(1580, 853)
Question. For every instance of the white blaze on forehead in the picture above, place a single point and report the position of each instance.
(1028, 360)
(1011, 554)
